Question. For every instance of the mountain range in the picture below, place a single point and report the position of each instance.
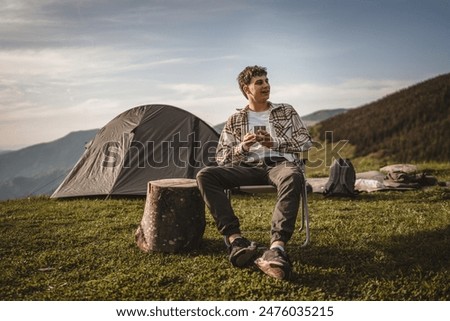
(39, 169)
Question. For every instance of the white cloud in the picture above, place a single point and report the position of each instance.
(19, 15)
(26, 63)
(34, 123)
(55, 63)
(188, 88)
(309, 97)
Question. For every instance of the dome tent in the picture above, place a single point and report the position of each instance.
(142, 144)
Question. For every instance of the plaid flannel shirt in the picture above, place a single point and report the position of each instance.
(292, 136)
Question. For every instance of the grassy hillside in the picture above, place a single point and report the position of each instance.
(380, 246)
(408, 126)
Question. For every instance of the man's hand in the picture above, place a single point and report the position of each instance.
(264, 138)
(249, 140)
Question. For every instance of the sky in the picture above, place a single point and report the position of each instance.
(74, 65)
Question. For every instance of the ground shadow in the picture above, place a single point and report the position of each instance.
(346, 269)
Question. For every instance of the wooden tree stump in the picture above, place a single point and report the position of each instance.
(174, 217)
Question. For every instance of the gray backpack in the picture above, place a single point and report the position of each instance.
(342, 179)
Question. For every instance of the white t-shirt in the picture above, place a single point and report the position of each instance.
(260, 120)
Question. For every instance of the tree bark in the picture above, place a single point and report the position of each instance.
(174, 217)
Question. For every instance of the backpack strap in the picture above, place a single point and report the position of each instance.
(333, 179)
(347, 170)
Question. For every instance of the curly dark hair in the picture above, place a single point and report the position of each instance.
(246, 75)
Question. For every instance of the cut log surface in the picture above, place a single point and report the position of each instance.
(174, 217)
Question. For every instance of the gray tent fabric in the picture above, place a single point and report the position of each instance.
(142, 144)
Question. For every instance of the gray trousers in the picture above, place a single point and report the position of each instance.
(287, 177)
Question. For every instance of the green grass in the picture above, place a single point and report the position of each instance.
(379, 246)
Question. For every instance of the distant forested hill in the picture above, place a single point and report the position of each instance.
(412, 124)
(321, 115)
(40, 168)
